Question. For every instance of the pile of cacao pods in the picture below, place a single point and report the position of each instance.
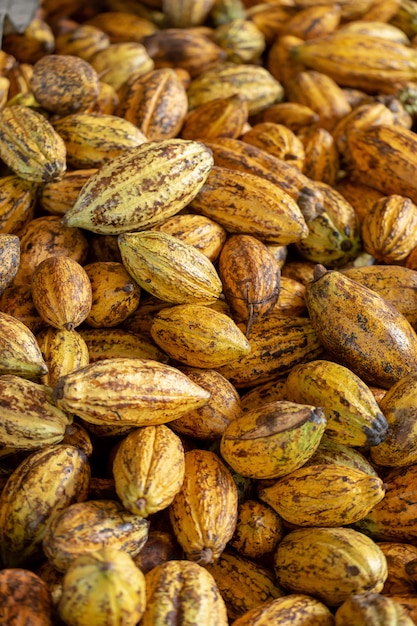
(208, 314)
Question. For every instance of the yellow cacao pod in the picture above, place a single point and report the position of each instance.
(220, 117)
(80, 527)
(156, 102)
(322, 94)
(239, 155)
(61, 292)
(203, 513)
(148, 469)
(397, 449)
(248, 204)
(389, 230)
(395, 283)
(17, 203)
(63, 350)
(149, 184)
(391, 150)
(118, 61)
(200, 231)
(359, 61)
(353, 416)
(210, 420)
(36, 490)
(292, 609)
(29, 417)
(83, 41)
(331, 452)
(255, 83)
(392, 518)
(243, 584)
(30, 145)
(272, 440)
(20, 352)
(169, 268)
(104, 585)
(147, 392)
(366, 333)
(341, 562)
(198, 336)
(109, 343)
(342, 495)
(371, 609)
(92, 139)
(181, 589)
(278, 140)
(58, 196)
(258, 530)
(277, 343)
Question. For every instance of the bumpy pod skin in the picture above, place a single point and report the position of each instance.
(42, 485)
(395, 283)
(353, 416)
(243, 583)
(30, 145)
(128, 391)
(61, 292)
(288, 611)
(64, 351)
(20, 352)
(324, 495)
(198, 336)
(29, 416)
(248, 204)
(398, 405)
(92, 139)
(359, 61)
(371, 609)
(185, 591)
(84, 527)
(393, 518)
(250, 276)
(203, 513)
(272, 440)
(329, 563)
(361, 329)
(384, 157)
(169, 268)
(148, 469)
(103, 587)
(141, 187)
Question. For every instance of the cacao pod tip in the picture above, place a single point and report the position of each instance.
(319, 271)
(203, 557)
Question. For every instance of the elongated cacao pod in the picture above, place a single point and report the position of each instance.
(149, 183)
(20, 352)
(359, 61)
(30, 145)
(37, 489)
(128, 391)
(361, 329)
(246, 203)
(203, 514)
